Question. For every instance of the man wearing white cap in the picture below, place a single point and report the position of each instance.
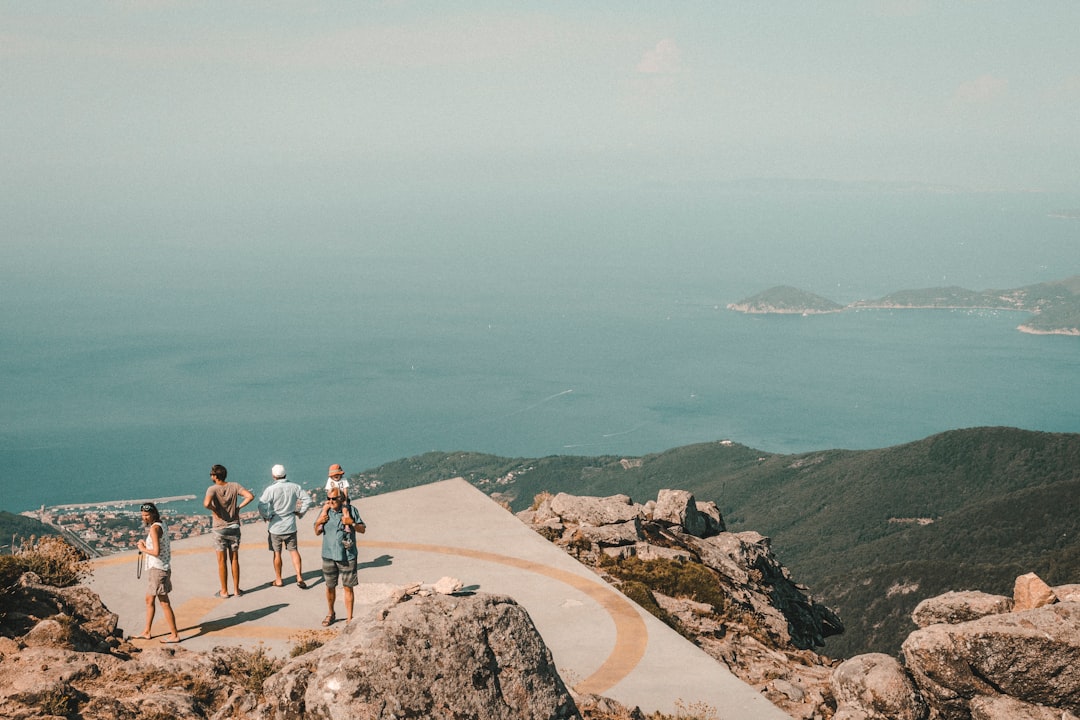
(280, 504)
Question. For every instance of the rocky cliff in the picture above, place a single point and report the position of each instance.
(724, 591)
(973, 656)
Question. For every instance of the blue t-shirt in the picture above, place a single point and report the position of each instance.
(334, 532)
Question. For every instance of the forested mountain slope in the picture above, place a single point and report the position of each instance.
(870, 532)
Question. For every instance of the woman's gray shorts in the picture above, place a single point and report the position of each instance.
(159, 583)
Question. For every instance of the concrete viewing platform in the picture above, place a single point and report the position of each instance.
(601, 642)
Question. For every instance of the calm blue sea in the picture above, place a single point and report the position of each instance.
(135, 357)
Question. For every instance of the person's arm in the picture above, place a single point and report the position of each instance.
(266, 509)
(208, 499)
(155, 533)
(246, 494)
(358, 524)
(324, 517)
(305, 503)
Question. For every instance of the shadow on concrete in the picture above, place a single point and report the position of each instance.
(239, 618)
(381, 561)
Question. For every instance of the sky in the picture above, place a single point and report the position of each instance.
(157, 103)
(268, 125)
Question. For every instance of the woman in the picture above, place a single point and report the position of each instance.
(158, 558)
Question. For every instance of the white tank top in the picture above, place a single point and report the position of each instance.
(163, 559)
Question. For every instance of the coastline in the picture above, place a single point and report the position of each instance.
(1074, 332)
(860, 305)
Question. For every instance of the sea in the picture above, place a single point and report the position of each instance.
(137, 351)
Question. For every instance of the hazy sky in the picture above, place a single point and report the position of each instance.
(155, 104)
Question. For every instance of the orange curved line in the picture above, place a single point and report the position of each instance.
(631, 635)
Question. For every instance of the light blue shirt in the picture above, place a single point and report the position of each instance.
(277, 504)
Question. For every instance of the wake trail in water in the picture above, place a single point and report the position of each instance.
(535, 405)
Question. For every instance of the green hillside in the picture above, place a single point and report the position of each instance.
(15, 528)
(786, 299)
(870, 532)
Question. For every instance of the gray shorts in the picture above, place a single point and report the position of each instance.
(226, 538)
(160, 582)
(331, 569)
(277, 542)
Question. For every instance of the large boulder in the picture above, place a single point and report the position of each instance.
(958, 607)
(1003, 707)
(875, 687)
(439, 657)
(678, 507)
(1032, 656)
(1030, 591)
(586, 510)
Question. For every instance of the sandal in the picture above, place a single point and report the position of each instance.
(301, 584)
(328, 620)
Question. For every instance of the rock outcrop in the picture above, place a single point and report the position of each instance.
(428, 654)
(975, 656)
(755, 619)
(435, 657)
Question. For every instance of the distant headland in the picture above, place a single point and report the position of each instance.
(1054, 306)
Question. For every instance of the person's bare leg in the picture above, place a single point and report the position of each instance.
(146, 634)
(170, 619)
(222, 556)
(348, 604)
(297, 565)
(331, 597)
(236, 570)
(277, 569)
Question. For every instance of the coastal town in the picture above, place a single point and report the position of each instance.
(105, 530)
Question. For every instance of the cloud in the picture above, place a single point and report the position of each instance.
(664, 59)
(983, 89)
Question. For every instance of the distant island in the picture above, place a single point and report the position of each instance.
(1054, 306)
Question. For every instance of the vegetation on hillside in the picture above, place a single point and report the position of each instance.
(786, 299)
(1055, 306)
(870, 532)
(15, 529)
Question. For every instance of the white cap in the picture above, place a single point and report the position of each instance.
(278, 471)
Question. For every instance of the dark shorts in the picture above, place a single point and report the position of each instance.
(277, 542)
(226, 538)
(331, 569)
(160, 582)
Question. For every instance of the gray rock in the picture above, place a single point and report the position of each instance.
(1002, 707)
(734, 554)
(958, 607)
(626, 533)
(875, 687)
(714, 521)
(61, 631)
(1067, 593)
(648, 551)
(595, 511)
(1032, 656)
(439, 657)
(678, 507)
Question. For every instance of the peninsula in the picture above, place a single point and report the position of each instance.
(1054, 306)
